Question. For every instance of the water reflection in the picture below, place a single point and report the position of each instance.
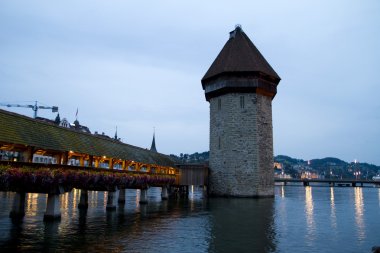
(309, 208)
(359, 212)
(282, 193)
(76, 196)
(332, 208)
(247, 221)
(31, 204)
(302, 220)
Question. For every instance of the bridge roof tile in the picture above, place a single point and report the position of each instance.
(22, 130)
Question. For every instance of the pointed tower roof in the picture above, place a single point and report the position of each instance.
(153, 147)
(115, 134)
(240, 56)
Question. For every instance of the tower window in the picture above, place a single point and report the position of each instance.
(219, 104)
(242, 102)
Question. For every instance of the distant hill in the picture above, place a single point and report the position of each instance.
(328, 167)
(200, 158)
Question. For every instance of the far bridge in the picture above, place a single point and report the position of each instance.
(329, 181)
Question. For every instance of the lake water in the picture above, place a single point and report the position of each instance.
(298, 219)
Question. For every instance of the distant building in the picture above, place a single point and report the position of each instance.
(278, 165)
(76, 125)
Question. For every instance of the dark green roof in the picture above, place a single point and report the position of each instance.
(22, 130)
(239, 55)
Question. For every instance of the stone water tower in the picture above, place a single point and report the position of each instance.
(240, 86)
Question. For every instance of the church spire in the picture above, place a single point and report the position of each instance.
(115, 134)
(153, 147)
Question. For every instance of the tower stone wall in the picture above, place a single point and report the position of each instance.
(241, 145)
(240, 85)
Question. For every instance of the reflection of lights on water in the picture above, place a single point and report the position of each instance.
(282, 191)
(191, 192)
(64, 199)
(191, 197)
(75, 198)
(32, 204)
(332, 205)
(359, 212)
(309, 206)
(93, 198)
(105, 197)
(138, 192)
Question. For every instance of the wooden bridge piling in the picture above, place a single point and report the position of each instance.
(121, 198)
(164, 193)
(83, 200)
(18, 207)
(143, 196)
(111, 201)
(53, 207)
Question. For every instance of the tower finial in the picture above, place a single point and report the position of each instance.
(116, 133)
(238, 27)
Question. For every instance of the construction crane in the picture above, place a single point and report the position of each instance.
(34, 107)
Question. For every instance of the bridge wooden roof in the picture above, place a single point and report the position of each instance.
(21, 130)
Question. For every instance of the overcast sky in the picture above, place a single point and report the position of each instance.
(139, 65)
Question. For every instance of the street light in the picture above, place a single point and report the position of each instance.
(356, 174)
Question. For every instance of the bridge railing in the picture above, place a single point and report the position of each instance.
(53, 178)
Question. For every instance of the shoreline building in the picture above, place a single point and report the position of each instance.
(240, 86)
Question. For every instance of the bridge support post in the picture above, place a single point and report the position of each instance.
(58, 158)
(353, 184)
(83, 201)
(110, 164)
(306, 183)
(110, 202)
(18, 208)
(96, 165)
(90, 160)
(53, 207)
(164, 193)
(28, 154)
(121, 198)
(65, 158)
(81, 161)
(144, 196)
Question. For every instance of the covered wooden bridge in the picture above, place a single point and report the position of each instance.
(101, 163)
(30, 137)
(81, 160)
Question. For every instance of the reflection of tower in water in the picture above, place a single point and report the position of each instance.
(241, 224)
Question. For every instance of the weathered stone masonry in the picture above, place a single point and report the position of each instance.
(240, 86)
